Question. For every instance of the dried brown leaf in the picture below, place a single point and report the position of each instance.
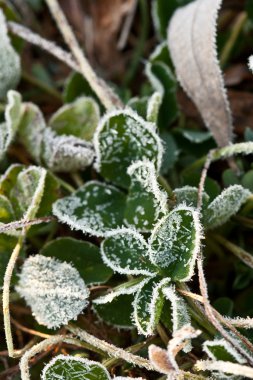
(191, 38)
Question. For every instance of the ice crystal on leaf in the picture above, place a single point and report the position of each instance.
(54, 290)
(94, 208)
(75, 368)
(121, 138)
(10, 69)
(175, 242)
(227, 204)
(146, 202)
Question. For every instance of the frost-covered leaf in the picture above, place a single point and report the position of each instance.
(74, 368)
(10, 69)
(189, 196)
(12, 115)
(28, 191)
(146, 202)
(123, 137)
(175, 242)
(83, 255)
(31, 130)
(225, 205)
(6, 210)
(180, 315)
(79, 118)
(148, 304)
(165, 83)
(126, 252)
(139, 105)
(171, 152)
(8, 179)
(94, 208)
(53, 289)
(220, 349)
(153, 108)
(65, 153)
(115, 307)
(195, 58)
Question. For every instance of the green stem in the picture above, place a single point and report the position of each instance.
(133, 66)
(236, 30)
(243, 255)
(64, 184)
(41, 85)
(164, 183)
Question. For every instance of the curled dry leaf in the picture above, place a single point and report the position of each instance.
(191, 38)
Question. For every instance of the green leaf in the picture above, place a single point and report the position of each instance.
(189, 196)
(196, 137)
(79, 118)
(115, 307)
(121, 138)
(53, 289)
(79, 253)
(9, 128)
(139, 105)
(225, 205)
(164, 81)
(229, 177)
(74, 368)
(76, 86)
(10, 69)
(220, 349)
(171, 152)
(28, 191)
(126, 252)
(6, 210)
(146, 202)
(94, 208)
(9, 178)
(148, 304)
(31, 130)
(162, 11)
(52, 193)
(175, 242)
(247, 180)
(153, 108)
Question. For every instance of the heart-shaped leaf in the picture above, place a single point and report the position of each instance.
(54, 290)
(195, 58)
(126, 252)
(225, 205)
(74, 368)
(148, 304)
(95, 208)
(123, 137)
(79, 119)
(175, 242)
(10, 69)
(146, 202)
(79, 252)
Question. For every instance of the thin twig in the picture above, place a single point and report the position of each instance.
(110, 349)
(203, 178)
(104, 93)
(25, 223)
(127, 26)
(49, 46)
(6, 295)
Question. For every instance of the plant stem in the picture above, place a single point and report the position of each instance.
(164, 183)
(110, 349)
(104, 93)
(6, 295)
(236, 30)
(243, 255)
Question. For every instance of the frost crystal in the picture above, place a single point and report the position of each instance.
(10, 69)
(54, 290)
